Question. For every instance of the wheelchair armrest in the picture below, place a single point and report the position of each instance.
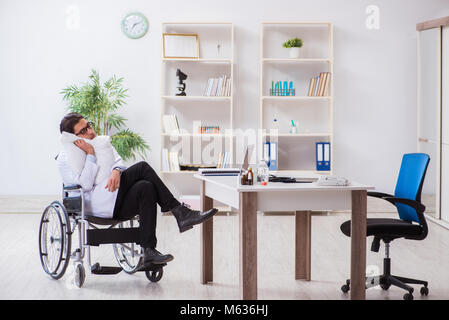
(72, 187)
(378, 194)
(419, 207)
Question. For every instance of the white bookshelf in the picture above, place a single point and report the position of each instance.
(213, 62)
(314, 114)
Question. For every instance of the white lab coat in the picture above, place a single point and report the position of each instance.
(98, 201)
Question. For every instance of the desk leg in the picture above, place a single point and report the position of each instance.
(207, 238)
(302, 245)
(248, 245)
(358, 245)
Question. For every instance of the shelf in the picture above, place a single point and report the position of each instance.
(296, 98)
(196, 135)
(198, 98)
(204, 60)
(298, 134)
(216, 42)
(281, 60)
(296, 150)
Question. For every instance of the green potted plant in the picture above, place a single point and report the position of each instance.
(293, 45)
(98, 103)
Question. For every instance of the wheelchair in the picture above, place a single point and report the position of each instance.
(60, 221)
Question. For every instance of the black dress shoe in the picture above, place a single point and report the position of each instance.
(153, 256)
(187, 217)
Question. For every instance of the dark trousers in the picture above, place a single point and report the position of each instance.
(139, 192)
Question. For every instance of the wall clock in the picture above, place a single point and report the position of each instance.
(135, 25)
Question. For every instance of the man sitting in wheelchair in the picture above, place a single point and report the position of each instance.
(126, 192)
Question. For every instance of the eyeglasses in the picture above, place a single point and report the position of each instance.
(84, 130)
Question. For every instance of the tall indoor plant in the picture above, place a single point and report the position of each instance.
(98, 103)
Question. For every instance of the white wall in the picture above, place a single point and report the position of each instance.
(374, 70)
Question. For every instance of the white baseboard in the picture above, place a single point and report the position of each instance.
(37, 204)
(26, 203)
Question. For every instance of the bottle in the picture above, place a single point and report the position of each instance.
(250, 176)
(262, 172)
(293, 127)
(243, 178)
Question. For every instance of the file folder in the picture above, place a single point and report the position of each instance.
(273, 156)
(323, 156)
(266, 153)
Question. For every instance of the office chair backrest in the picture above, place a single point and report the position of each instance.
(409, 183)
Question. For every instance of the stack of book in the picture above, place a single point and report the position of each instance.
(209, 129)
(218, 87)
(170, 160)
(170, 123)
(319, 85)
(224, 160)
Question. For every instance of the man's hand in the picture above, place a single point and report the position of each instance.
(113, 181)
(86, 147)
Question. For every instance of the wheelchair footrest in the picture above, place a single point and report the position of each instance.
(97, 269)
(151, 267)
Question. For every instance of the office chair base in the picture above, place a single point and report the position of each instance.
(385, 281)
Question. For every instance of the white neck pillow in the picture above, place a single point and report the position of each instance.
(76, 157)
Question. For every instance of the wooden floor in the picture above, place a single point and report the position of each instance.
(21, 275)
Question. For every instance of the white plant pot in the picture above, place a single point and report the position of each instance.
(293, 52)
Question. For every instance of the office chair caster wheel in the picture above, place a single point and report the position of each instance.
(80, 275)
(408, 296)
(424, 291)
(345, 288)
(155, 275)
(385, 286)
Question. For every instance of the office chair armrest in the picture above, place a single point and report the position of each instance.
(378, 194)
(72, 187)
(419, 207)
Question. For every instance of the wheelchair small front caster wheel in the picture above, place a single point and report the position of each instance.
(345, 288)
(424, 291)
(80, 275)
(155, 275)
(408, 296)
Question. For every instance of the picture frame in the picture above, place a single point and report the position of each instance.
(180, 46)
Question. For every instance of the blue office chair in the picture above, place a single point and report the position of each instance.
(410, 225)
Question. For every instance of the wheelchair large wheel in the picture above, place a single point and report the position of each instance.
(128, 255)
(55, 240)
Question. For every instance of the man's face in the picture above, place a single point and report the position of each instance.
(84, 129)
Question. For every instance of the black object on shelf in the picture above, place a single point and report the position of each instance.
(182, 86)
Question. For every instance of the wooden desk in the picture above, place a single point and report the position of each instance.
(298, 197)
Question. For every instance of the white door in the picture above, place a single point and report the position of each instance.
(429, 100)
(429, 114)
(444, 208)
(445, 126)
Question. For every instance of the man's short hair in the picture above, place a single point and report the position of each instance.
(69, 121)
